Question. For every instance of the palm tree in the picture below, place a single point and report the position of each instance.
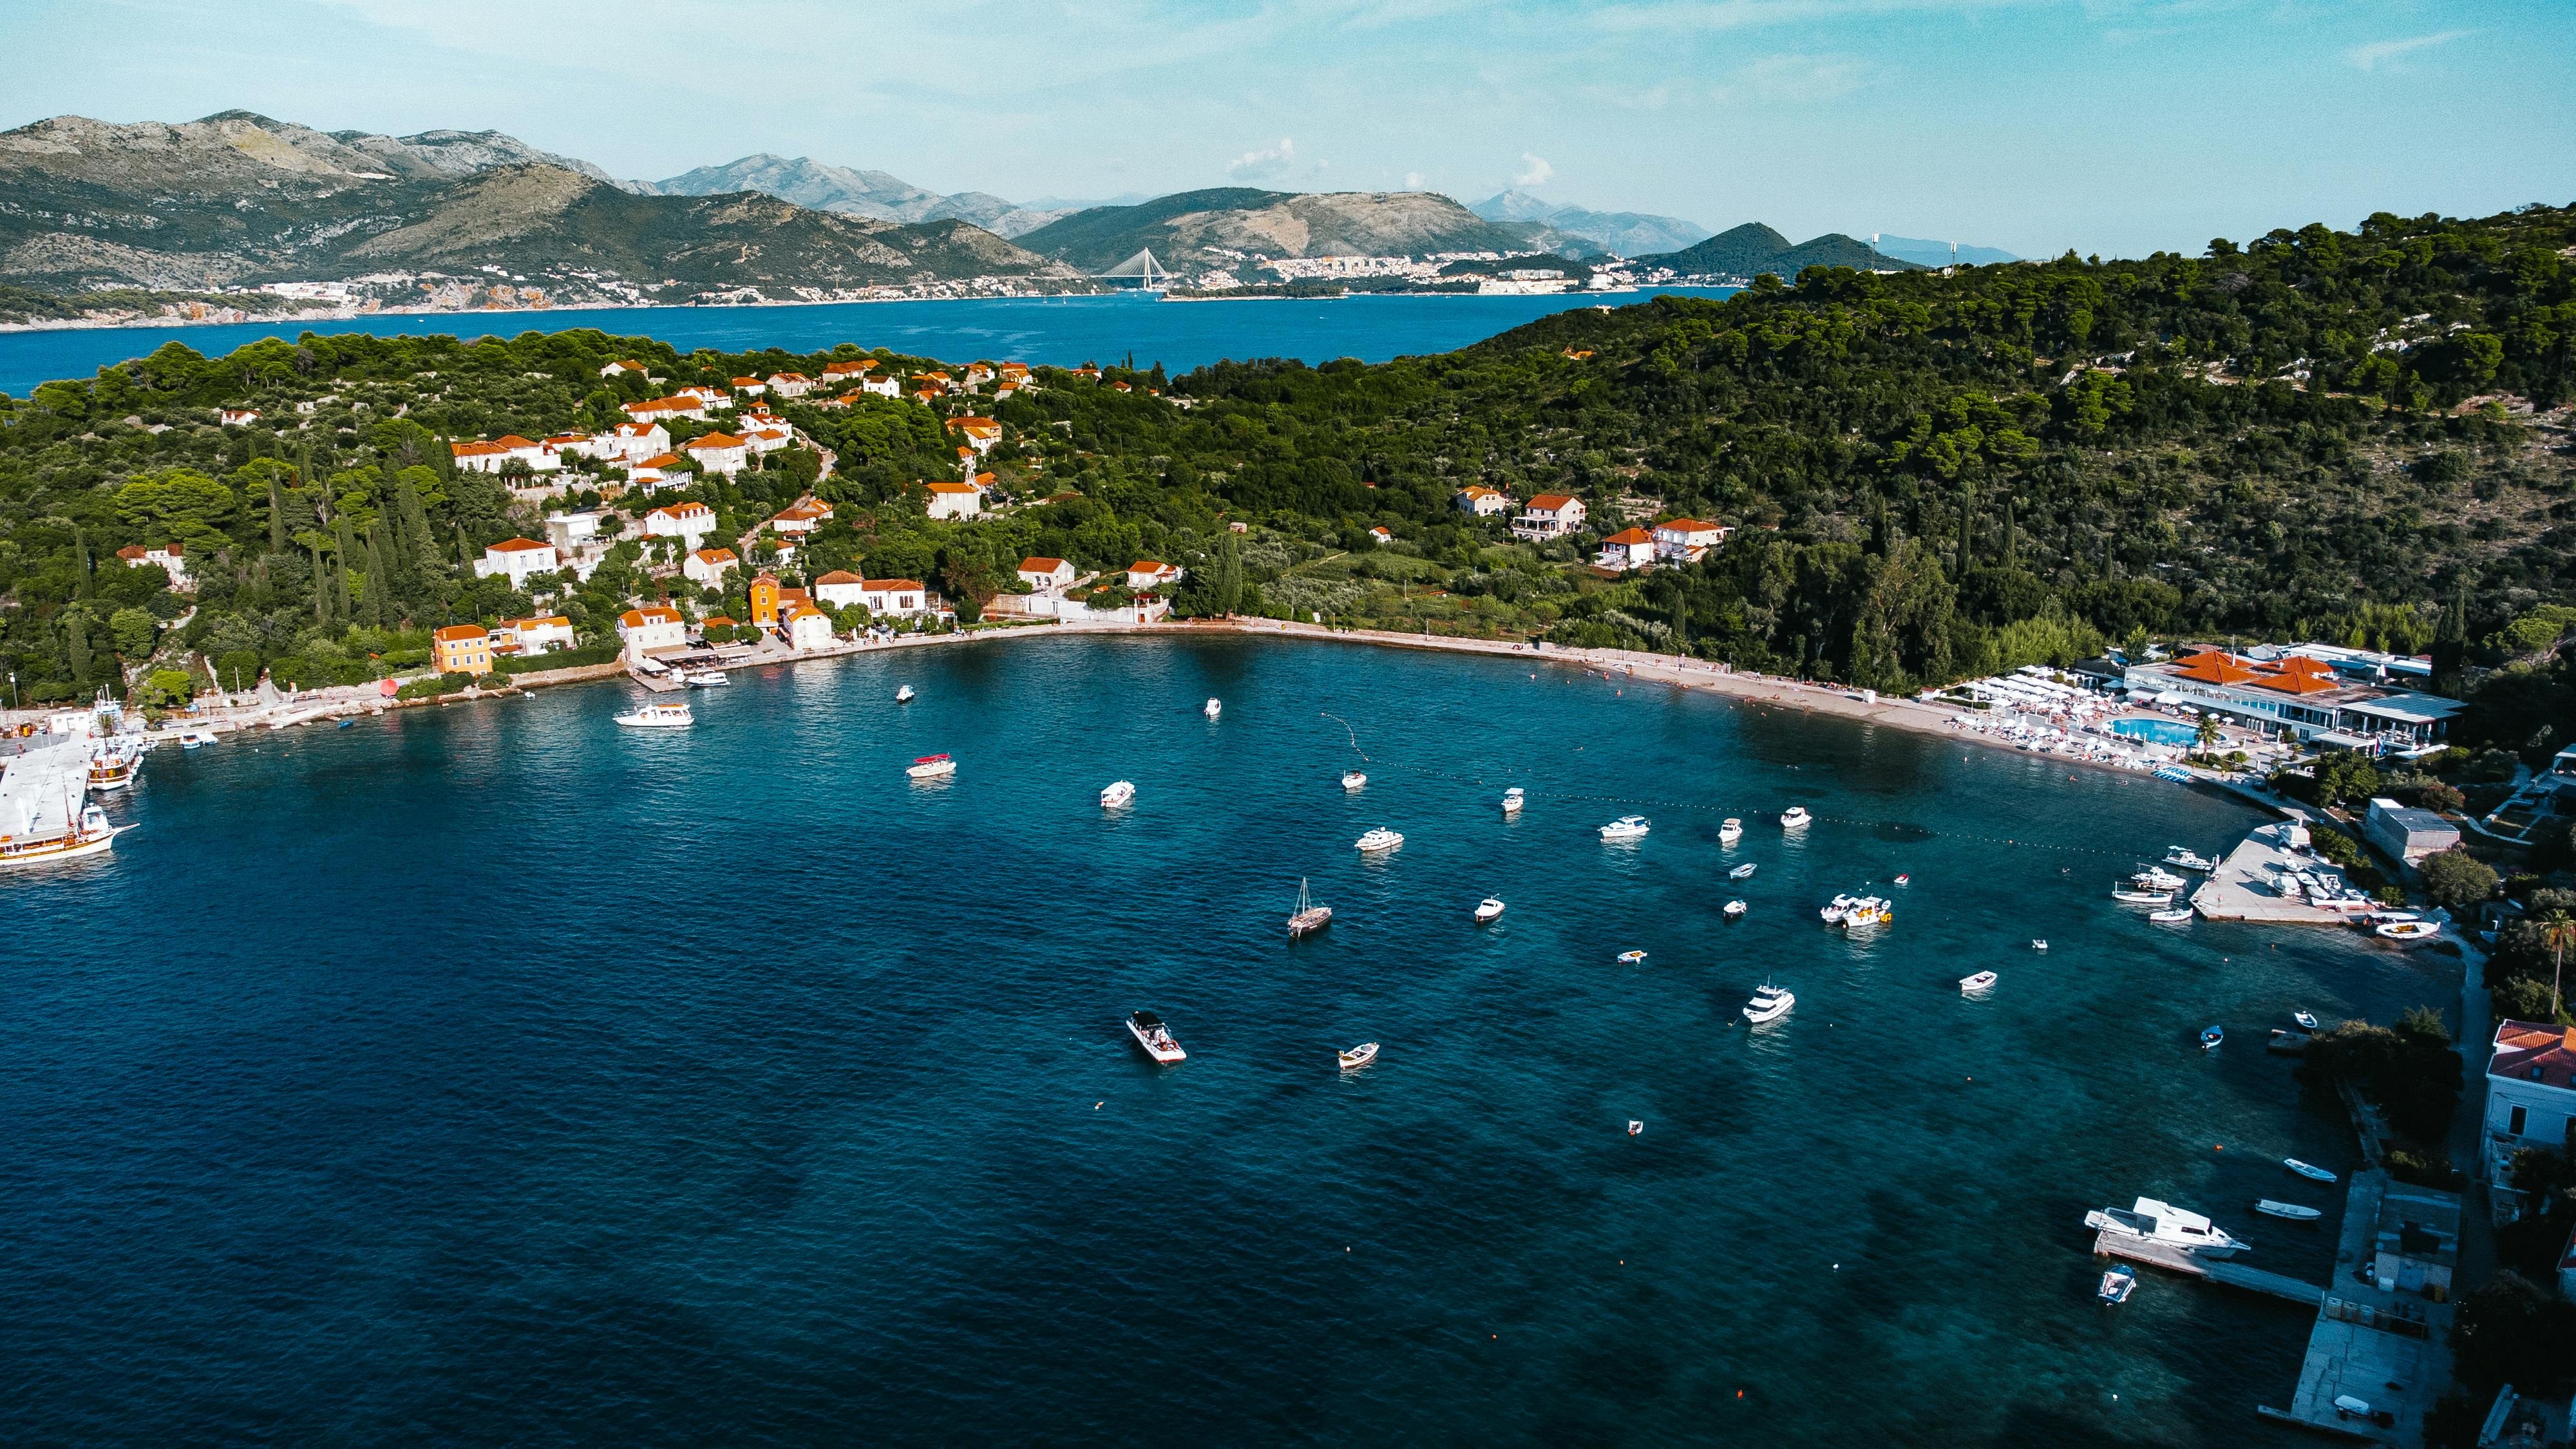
(2559, 932)
(2209, 732)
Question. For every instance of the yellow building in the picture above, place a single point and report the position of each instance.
(764, 600)
(461, 649)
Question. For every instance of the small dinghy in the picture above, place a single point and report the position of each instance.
(903, 695)
(2130, 896)
(1214, 708)
(2117, 1284)
(1631, 958)
(2307, 1020)
(931, 767)
(1735, 910)
(2037, 944)
(2410, 930)
(1741, 872)
(1982, 981)
(2308, 1170)
(2212, 1037)
(1353, 779)
(1488, 909)
(2171, 915)
(1358, 1056)
(2293, 1211)
(1635, 1126)
(1905, 880)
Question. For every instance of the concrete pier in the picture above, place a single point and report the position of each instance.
(2238, 889)
(2213, 1270)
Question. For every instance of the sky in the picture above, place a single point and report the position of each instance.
(2111, 127)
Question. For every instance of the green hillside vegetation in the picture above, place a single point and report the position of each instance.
(2350, 436)
(1752, 249)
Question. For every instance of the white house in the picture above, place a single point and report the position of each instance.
(1383, 535)
(805, 628)
(1482, 501)
(883, 384)
(535, 636)
(518, 557)
(768, 440)
(569, 531)
(687, 522)
(654, 626)
(240, 417)
(169, 556)
(707, 567)
(718, 452)
(750, 386)
(801, 518)
(842, 374)
(904, 597)
(1549, 515)
(1046, 575)
(980, 433)
(2531, 1094)
(840, 589)
(1687, 540)
(631, 442)
(660, 471)
(790, 384)
(955, 500)
(622, 367)
(654, 410)
(488, 457)
(704, 396)
(1629, 548)
(1146, 573)
(2408, 834)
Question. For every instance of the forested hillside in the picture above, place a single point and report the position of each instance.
(2360, 436)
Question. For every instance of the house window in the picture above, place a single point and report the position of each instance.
(2520, 1116)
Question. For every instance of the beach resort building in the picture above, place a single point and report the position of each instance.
(2531, 1098)
(651, 627)
(1629, 548)
(707, 567)
(688, 522)
(461, 649)
(1549, 515)
(840, 588)
(1687, 540)
(1046, 575)
(2299, 695)
(955, 500)
(519, 558)
(1482, 501)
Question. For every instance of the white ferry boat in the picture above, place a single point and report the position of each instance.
(1120, 792)
(1769, 1003)
(1214, 707)
(658, 717)
(1353, 780)
(1378, 839)
(2159, 1222)
(1795, 818)
(1308, 916)
(1730, 832)
(1512, 800)
(1154, 1037)
(931, 767)
(1626, 827)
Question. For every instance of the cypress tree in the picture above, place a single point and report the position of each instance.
(1228, 592)
(417, 543)
(76, 642)
(321, 587)
(464, 552)
(276, 518)
(379, 597)
(1967, 523)
(342, 604)
(2012, 553)
(80, 562)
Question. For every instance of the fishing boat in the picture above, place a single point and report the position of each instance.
(1635, 1126)
(658, 717)
(2171, 915)
(1631, 958)
(2160, 879)
(2038, 945)
(114, 762)
(1741, 872)
(1378, 839)
(1512, 801)
(1626, 827)
(2184, 859)
(2295, 1212)
(1982, 981)
(1795, 818)
(2212, 1037)
(1490, 908)
(1120, 792)
(1353, 779)
(1358, 1056)
(1308, 916)
(1769, 1003)
(2308, 1170)
(2118, 1282)
(2159, 1222)
(2410, 930)
(2130, 895)
(704, 678)
(931, 767)
(1730, 832)
(1154, 1037)
(2307, 1020)
(903, 695)
(1866, 912)
(1213, 708)
(1734, 910)
(1832, 912)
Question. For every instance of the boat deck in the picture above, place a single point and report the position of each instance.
(2215, 1270)
(2236, 890)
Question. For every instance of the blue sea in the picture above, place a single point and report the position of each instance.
(1061, 331)
(489, 1075)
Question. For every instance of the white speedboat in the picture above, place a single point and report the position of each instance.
(1213, 708)
(2212, 1037)
(2156, 877)
(1631, 958)
(1154, 1037)
(931, 767)
(1769, 1003)
(1741, 872)
(2171, 915)
(658, 717)
(2410, 930)
(1490, 908)
(1379, 838)
(2307, 1020)
(2159, 1222)
(903, 695)
(2182, 858)
(1730, 832)
(1358, 1056)
(1626, 827)
(1832, 911)
(1512, 800)
(1982, 981)
(2118, 1282)
(1120, 792)
(2295, 1212)
(1795, 818)
(704, 678)
(1635, 1126)
(1353, 779)
(2038, 945)
(2308, 1170)
(1308, 915)
(1735, 910)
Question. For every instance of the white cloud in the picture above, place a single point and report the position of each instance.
(1534, 171)
(1264, 165)
(2385, 54)
(1413, 181)
(1795, 79)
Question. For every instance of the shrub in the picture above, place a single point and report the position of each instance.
(2511, 1330)
(2454, 878)
(2409, 1069)
(2524, 998)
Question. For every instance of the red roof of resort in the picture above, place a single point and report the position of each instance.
(893, 583)
(839, 576)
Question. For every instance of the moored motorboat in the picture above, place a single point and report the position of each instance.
(1119, 792)
(1770, 1003)
(1741, 872)
(1982, 981)
(1353, 779)
(1631, 958)
(1379, 838)
(1512, 800)
(2157, 878)
(1358, 1056)
(2129, 895)
(1626, 827)
(1488, 909)
(1731, 831)
(2308, 1170)
(1795, 818)
(2307, 1020)
(704, 678)
(2211, 1037)
(931, 767)
(2410, 930)
(1213, 708)
(2118, 1282)
(2295, 1212)
(2171, 915)
(1734, 910)
(1635, 1126)
(2185, 859)
(2159, 1222)
(658, 717)
(1866, 912)
(1831, 912)
(1905, 880)
(903, 695)
(1154, 1037)
(1308, 916)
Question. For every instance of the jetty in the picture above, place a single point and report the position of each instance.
(2239, 891)
(2214, 1270)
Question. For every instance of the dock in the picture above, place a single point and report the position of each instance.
(2237, 891)
(2215, 1270)
(2386, 1348)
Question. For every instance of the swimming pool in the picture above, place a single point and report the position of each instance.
(2159, 731)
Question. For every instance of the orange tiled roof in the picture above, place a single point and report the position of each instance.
(1551, 500)
(459, 633)
(1630, 536)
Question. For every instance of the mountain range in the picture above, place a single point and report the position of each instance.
(808, 182)
(1940, 253)
(1624, 233)
(1197, 228)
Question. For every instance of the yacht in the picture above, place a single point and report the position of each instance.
(1154, 1037)
(1358, 1056)
(1769, 1003)
(88, 834)
(1866, 912)
(2118, 1282)
(115, 761)
(1512, 801)
(931, 767)
(704, 678)
(2158, 878)
(1834, 910)
(1120, 792)
(1213, 708)
(1626, 827)
(2164, 1223)
(1308, 915)
(658, 717)
(2183, 858)
(1353, 779)
(1730, 832)
(1735, 910)
(1490, 908)
(1795, 818)
(1379, 838)
(1741, 872)
(1982, 981)
(903, 695)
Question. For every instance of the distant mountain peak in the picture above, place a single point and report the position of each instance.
(1628, 233)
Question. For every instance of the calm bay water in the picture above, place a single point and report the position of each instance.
(1063, 331)
(493, 1076)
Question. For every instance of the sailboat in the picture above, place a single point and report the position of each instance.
(1309, 916)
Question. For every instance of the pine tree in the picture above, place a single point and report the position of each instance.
(2451, 643)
